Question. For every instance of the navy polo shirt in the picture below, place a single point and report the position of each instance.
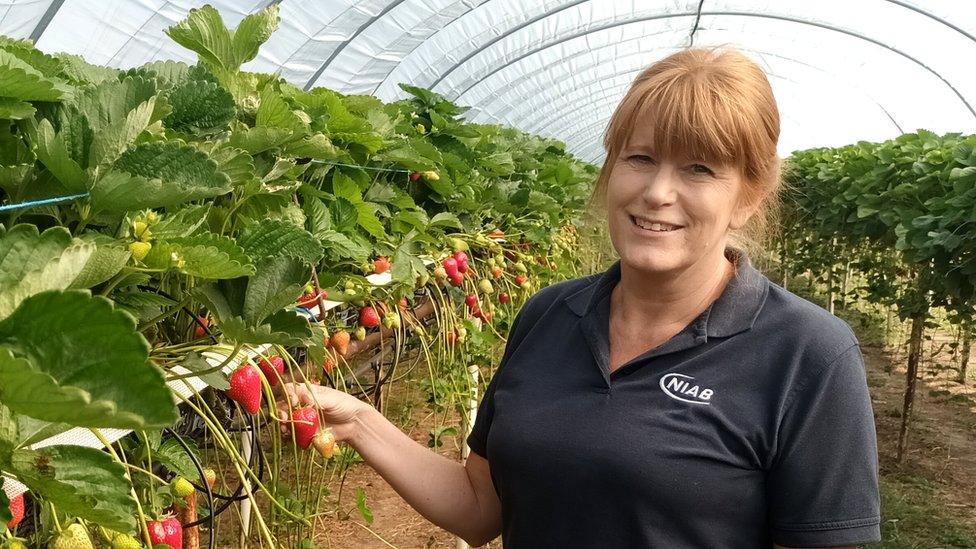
(752, 425)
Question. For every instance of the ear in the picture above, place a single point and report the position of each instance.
(745, 209)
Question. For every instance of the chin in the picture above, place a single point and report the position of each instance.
(651, 261)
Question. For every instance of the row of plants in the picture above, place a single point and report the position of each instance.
(899, 216)
(171, 224)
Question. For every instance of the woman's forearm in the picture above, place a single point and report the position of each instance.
(437, 487)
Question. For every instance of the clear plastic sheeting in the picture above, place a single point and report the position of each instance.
(842, 71)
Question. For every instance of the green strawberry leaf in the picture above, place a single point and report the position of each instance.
(153, 175)
(58, 349)
(203, 31)
(182, 222)
(9, 437)
(282, 328)
(111, 140)
(53, 152)
(274, 112)
(107, 260)
(200, 108)
(254, 30)
(196, 363)
(204, 255)
(83, 482)
(266, 239)
(250, 310)
(174, 457)
(258, 140)
(5, 514)
(12, 109)
(22, 82)
(32, 262)
(343, 246)
(275, 285)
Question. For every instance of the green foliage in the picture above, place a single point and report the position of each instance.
(214, 192)
(58, 349)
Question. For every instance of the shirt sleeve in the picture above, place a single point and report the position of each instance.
(478, 438)
(822, 487)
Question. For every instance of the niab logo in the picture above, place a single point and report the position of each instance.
(682, 387)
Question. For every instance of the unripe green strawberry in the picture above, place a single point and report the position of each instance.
(459, 245)
(350, 285)
(520, 267)
(485, 286)
(139, 250)
(73, 537)
(125, 541)
(181, 487)
(360, 333)
(139, 229)
(14, 544)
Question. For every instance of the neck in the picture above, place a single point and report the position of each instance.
(663, 299)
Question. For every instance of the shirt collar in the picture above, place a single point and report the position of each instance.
(734, 311)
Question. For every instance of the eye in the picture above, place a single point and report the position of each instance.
(701, 169)
(640, 158)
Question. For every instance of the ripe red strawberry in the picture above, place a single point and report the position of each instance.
(503, 298)
(381, 265)
(460, 257)
(168, 531)
(450, 266)
(451, 337)
(17, 510)
(457, 279)
(521, 279)
(305, 423)
(368, 317)
(245, 388)
(471, 300)
(201, 326)
(414, 176)
(462, 266)
(273, 369)
(403, 304)
(311, 299)
(328, 365)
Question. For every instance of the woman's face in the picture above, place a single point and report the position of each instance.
(666, 214)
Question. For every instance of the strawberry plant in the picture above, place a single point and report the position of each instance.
(165, 230)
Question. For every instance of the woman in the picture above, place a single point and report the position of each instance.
(678, 400)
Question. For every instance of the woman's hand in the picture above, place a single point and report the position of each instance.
(341, 411)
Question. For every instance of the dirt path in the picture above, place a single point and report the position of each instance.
(942, 441)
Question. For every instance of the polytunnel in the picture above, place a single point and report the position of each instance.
(356, 274)
(841, 71)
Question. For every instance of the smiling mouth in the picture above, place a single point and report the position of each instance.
(652, 226)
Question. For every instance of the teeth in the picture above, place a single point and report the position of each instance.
(657, 227)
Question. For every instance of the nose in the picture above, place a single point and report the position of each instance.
(661, 188)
